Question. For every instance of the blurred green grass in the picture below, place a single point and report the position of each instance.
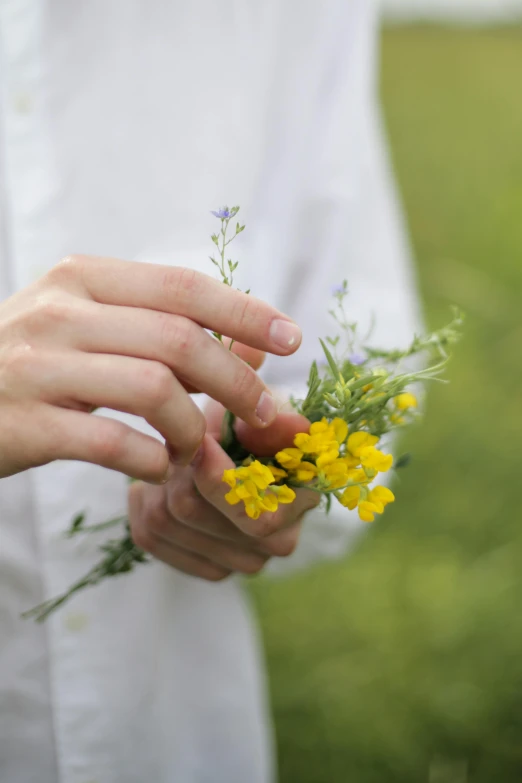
(410, 650)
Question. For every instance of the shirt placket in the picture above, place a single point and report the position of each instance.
(31, 190)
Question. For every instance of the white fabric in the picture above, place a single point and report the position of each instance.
(122, 123)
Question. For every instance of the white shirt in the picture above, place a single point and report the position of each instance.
(123, 122)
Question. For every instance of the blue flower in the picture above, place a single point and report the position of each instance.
(222, 213)
(356, 359)
(339, 290)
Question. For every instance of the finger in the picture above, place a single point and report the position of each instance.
(251, 356)
(284, 542)
(207, 470)
(188, 350)
(183, 292)
(72, 435)
(186, 504)
(135, 501)
(305, 500)
(181, 559)
(231, 556)
(143, 388)
(278, 435)
(214, 413)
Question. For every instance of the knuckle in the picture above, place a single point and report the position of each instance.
(245, 312)
(215, 574)
(49, 309)
(252, 565)
(184, 504)
(180, 284)
(246, 382)
(156, 381)
(158, 522)
(178, 337)
(265, 526)
(18, 360)
(109, 443)
(141, 535)
(69, 267)
(283, 546)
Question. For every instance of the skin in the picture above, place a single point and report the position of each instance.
(188, 524)
(100, 332)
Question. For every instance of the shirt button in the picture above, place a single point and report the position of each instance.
(76, 622)
(22, 102)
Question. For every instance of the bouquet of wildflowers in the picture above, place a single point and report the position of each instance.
(356, 397)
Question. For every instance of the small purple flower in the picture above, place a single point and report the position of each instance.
(222, 213)
(356, 359)
(337, 290)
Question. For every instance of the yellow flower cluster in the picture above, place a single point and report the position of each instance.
(332, 459)
(327, 458)
(254, 484)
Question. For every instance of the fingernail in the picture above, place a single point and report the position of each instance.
(170, 473)
(285, 334)
(266, 410)
(198, 456)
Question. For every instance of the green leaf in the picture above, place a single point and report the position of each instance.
(333, 340)
(403, 461)
(77, 523)
(331, 361)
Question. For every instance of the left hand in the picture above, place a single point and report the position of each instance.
(187, 523)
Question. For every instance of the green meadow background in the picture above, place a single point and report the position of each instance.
(403, 663)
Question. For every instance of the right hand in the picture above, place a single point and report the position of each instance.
(99, 332)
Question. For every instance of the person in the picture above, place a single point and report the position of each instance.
(122, 125)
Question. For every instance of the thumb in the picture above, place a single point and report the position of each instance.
(279, 435)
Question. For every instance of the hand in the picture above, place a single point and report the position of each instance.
(98, 332)
(188, 524)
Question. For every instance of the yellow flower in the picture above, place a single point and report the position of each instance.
(327, 457)
(322, 437)
(313, 444)
(367, 503)
(277, 473)
(374, 459)
(289, 458)
(360, 440)
(340, 429)
(380, 497)
(350, 497)
(232, 497)
(229, 477)
(284, 494)
(260, 474)
(367, 511)
(254, 485)
(357, 476)
(269, 502)
(305, 472)
(319, 427)
(405, 401)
